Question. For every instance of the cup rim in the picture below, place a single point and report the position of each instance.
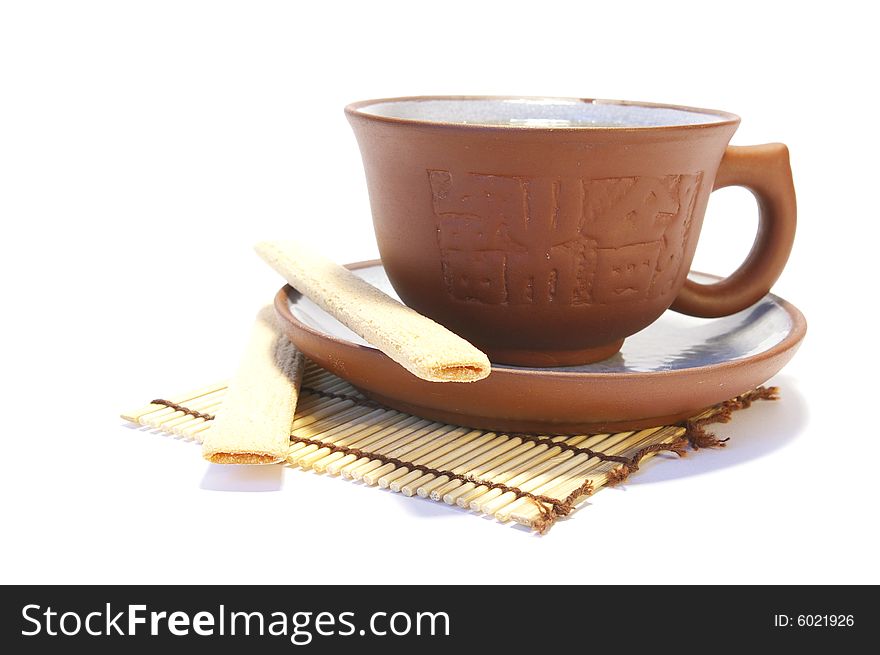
(356, 109)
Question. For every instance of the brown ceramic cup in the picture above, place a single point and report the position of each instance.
(547, 230)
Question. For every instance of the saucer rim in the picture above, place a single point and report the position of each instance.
(792, 339)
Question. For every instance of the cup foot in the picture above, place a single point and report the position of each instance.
(550, 358)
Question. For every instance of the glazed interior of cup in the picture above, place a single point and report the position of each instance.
(540, 112)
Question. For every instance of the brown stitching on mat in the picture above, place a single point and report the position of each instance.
(622, 472)
(699, 437)
(696, 435)
(560, 508)
(538, 439)
(617, 475)
(324, 394)
(695, 430)
(181, 408)
(550, 508)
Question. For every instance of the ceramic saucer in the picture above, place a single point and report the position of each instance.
(669, 371)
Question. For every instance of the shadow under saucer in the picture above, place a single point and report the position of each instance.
(758, 431)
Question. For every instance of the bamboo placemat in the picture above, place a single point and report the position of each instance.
(528, 478)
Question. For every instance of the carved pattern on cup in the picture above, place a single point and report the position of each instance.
(515, 240)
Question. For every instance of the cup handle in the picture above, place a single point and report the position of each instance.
(765, 171)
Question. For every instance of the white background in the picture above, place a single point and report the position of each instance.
(144, 147)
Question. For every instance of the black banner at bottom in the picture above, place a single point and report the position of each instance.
(422, 618)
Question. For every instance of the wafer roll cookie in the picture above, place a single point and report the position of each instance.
(253, 426)
(424, 348)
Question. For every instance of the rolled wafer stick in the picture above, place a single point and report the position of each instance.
(424, 348)
(258, 409)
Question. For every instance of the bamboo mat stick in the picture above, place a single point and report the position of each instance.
(345, 435)
(503, 471)
(329, 387)
(315, 376)
(456, 462)
(568, 461)
(345, 410)
(409, 487)
(393, 444)
(326, 383)
(318, 428)
(316, 407)
(158, 419)
(350, 464)
(434, 458)
(350, 427)
(135, 415)
(183, 419)
(667, 435)
(575, 477)
(326, 431)
(320, 410)
(355, 469)
(437, 487)
(164, 412)
(451, 492)
(335, 466)
(178, 427)
(409, 448)
(337, 387)
(443, 434)
(401, 427)
(422, 454)
(477, 492)
(539, 462)
(489, 498)
(398, 423)
(599, 477)
(195, 432)
(537, 478)
(527, 513)
(576, 470)
(396, 430)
